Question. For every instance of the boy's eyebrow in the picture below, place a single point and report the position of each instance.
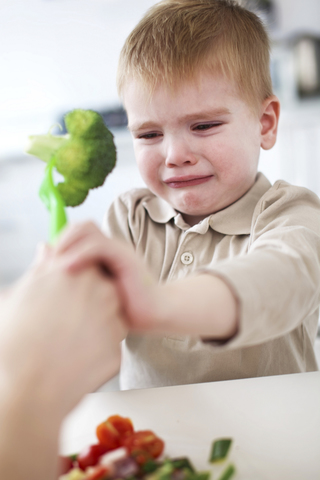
(204, 115)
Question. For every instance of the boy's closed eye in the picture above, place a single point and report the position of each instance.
(207, 126)
(150, 135)
(199, 127)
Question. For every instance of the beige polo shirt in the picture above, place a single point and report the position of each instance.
(267, 248)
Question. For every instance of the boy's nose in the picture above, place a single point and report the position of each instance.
(178, 153)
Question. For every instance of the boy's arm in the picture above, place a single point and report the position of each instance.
(202, 305)
(276, 283)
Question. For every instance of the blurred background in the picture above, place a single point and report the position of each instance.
(56, 55)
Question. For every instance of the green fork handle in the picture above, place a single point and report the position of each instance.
(52, 199)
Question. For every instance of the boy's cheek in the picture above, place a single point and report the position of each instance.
(149, 169)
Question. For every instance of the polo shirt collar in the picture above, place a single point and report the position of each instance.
(236, 219)
(233, 220)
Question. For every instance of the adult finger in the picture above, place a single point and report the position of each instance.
(114, 256)
(73, 234)
(43, 252)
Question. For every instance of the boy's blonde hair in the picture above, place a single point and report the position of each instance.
(177, 39)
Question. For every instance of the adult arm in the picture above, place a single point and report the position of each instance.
(59, 339)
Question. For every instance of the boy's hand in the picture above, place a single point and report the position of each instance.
(84, 245)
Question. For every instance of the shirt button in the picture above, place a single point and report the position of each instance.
(186, 258)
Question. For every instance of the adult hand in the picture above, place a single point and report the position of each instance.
(72, 323)
(84, 245)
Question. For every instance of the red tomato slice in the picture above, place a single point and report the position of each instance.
(144, 441)
(89, 457)
(108, 435)
(99, 473)
(110, 432)
(123, 425)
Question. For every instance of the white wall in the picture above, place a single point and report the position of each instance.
(56, 55)
(298, 16)
(62, 54)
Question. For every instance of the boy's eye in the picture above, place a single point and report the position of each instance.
(206, 126)
(148, 136)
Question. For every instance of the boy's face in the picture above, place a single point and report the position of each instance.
(198, 147)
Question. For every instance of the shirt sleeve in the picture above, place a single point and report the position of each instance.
(277, 282)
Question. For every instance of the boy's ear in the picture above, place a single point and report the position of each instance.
(269, 119)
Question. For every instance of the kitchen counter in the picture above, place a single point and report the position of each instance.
(274, 422)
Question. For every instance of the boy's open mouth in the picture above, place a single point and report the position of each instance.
(186, 181)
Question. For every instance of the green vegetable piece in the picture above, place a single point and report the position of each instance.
(228, 472)
(200, 476)
(52, 199)
(183, 463)
(73, 457)
(163, 472)
(220, 449)
(150, 466)
(84, 157)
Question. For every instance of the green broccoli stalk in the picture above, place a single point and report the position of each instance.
(84, 156)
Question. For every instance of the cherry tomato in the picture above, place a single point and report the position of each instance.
(144, 441)
(89, 457)
(99, 473)
(123, 425)
(113, 430)
(65, 465)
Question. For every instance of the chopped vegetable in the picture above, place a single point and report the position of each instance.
(143, 441)
(91, 455)
(201, 476)
(111, 432)
(74, 474)
(73, 457)
(228, 472)
(97, 473)
(178, 469)
(220, 449)
(126, 467)
(164, 472)
(183, 462)
(126, 454)
(149, 466)
(123, 425)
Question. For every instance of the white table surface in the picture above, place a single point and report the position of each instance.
(274, 421)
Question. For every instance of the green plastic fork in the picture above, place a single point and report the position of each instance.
(52, 199)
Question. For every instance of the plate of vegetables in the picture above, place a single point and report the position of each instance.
(123, 453)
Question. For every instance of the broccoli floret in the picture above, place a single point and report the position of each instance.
(84, 156)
